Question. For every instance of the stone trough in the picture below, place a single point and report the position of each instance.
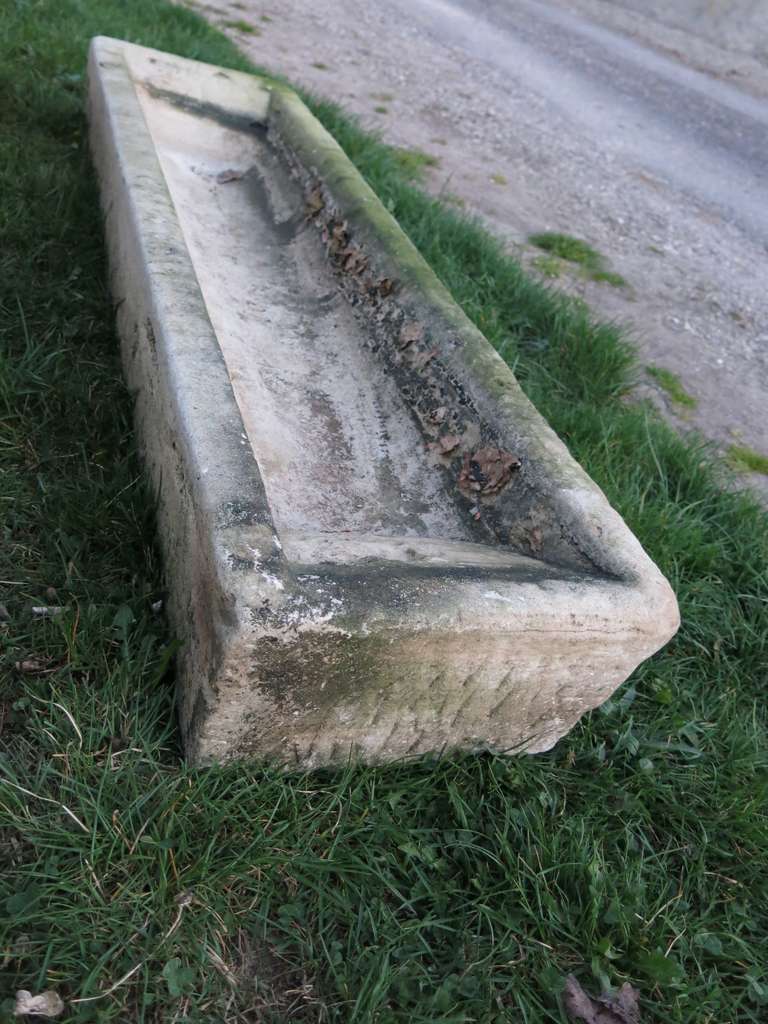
(374, 545)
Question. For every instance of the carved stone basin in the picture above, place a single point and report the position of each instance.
(374, 545)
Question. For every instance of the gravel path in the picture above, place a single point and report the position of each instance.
(642, 133)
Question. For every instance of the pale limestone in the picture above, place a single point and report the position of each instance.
(313, 407)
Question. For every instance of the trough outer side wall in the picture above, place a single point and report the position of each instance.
(480, 664)
(210, 497)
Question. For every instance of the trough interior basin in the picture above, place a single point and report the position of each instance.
(349, 475)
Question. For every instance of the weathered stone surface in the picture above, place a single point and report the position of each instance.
(375, 546)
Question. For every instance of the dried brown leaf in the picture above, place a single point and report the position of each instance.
(487, 471)
(385, 286)
(621, 1008)
(315, 202)
(421, 359)
(535, 538)
(336, 238)
(353, 261)
(446, 444)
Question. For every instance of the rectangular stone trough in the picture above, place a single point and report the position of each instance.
(375, 546)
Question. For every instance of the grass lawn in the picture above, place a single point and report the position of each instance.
(446, 890)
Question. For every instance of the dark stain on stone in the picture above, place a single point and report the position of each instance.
(238, 122)
(238, 564)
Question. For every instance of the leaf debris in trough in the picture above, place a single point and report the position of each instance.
(409, 333)
(446, 444)
(315, 202)
(354, 261)
(487, 472)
